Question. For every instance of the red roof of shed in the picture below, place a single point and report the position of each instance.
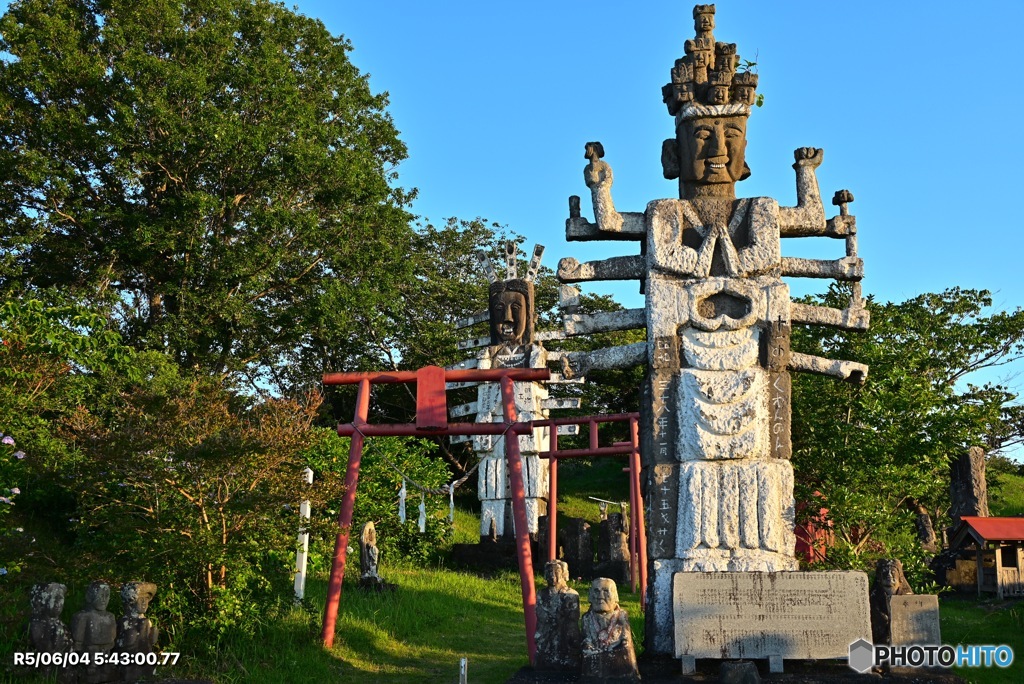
(996, 529)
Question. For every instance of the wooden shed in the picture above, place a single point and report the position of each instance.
(998, 563)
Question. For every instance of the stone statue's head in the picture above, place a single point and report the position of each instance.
(889, 575)
(511, 309)
(135, 597)
(97, 596)
(708, 154)
(47, 599)
(703, 18)
(710, 99)
(604, 595)
(369, 534)
(556, 573)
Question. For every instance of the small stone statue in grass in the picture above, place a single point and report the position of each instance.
(608, 653)
(94, 630)
(369, 556)
(136, 633)
(558, 621)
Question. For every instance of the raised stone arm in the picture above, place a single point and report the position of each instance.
(610, 223)
(808, 216)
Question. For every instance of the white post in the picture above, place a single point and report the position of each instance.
(463, 667)
(303, 547)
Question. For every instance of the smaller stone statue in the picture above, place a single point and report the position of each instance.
(613, 549)
(558, 621)
(94, 630)
(46, 633)
(369, 556)
(608, 653)
(889, 581)
(136, 633)
(575, 541)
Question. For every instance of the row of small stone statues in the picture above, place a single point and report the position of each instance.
(94, 630)
(602, 649)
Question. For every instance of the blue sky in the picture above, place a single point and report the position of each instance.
(915, 104)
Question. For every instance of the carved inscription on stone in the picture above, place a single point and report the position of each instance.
(799, 615)
(914, 619)
(780, 409)
(662, 516)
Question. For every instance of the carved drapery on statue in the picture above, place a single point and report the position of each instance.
(716, 398)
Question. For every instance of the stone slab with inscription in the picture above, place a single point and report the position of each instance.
(914, 619)
(797, 615)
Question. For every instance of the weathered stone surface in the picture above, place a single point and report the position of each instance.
(613, 549)
(46, 632)
(608, 653)
(798, 615)
(559, 644)
(136, 633)
(94, 630)
(723, 415)
(889, 581)
(914, 619)
(736, 516)
(968, 492)
(577, 548)
(662, 516)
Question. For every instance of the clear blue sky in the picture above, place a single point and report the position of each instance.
(917, 106)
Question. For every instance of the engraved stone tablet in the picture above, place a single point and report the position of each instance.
(915, 619)
(798, 615)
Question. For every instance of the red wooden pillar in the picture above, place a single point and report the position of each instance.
(355, 454)
(515, 471)
(553, 494)
(634, 461)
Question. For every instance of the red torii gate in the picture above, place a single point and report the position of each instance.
(432, 419)
(637, 532)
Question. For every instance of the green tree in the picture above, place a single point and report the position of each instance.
(877, 451)
(217, 171)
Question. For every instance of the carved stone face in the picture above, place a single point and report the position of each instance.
(604, 596)
(712, 151)
(97, 596)
(556, 573)
(511, 312)
(704, 22)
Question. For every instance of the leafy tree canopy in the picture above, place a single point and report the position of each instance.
(217, 171)
(877, 451)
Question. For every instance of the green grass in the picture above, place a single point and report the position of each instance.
(1008, 499)
(967, 620)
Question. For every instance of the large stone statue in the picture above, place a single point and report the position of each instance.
(94, 630)
(512, 343)
(558, 621)
(716, 398)
(608, 653)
